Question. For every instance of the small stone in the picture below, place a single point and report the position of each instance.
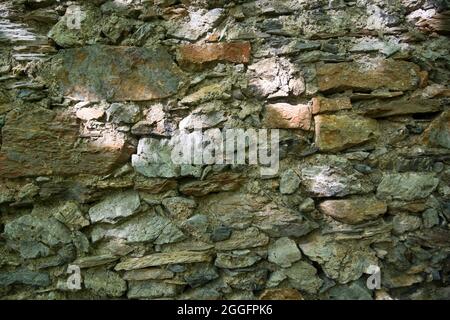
(94, 261)
(205, 94)
(115, 206)
(122, 113)
(354, 210)
(148, 274)
(154, 159)
(407, 186)
(249, 238)
(284, 252)
(281, 294)
(404, 222)
(274, 78)
(303, 276)
(179, 208)
(221, 233)
(379, 109)
(289, 182)
(356, 290)
(87, 114)
(430, 218)
(307, 206)
(104, 283)
(159, 259)
(70, 214)
(438, 132)
(287, 116)
(323, 105)
(152, 290)
(200, 275)
(197, 23)
(339, 132)
(237, 52)
(236, 259)
(224, 181)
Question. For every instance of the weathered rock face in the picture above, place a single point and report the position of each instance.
(96, 98)
(110, 73)
(370, 75)
(355, 210)
(336, 133)
(44, 142)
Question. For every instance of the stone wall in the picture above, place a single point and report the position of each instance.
(91, 92)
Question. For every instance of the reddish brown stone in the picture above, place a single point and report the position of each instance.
(237, 52)
(389, 74)
(322, 104)
(44, 142)
(287, 116)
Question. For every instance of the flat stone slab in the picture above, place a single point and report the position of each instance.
(114, 73)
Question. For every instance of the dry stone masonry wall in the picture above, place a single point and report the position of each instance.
(91, 93)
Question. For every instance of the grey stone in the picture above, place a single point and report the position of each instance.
(122, 113)
(404, 222)
(289, 182)
(356, 290)
(154, 159)
(199, 275)
(284, 252)
(104, 283)
(303, 276)
(30, 230)
(343, 261)
(221, 233)
(430, 218)
(24, 276)
(95, 261)
(165, 258)
(152, 289)
(236, 259)
(196, 24)
(147, 227)
(115, 206)
(407, 186)
(249, 238)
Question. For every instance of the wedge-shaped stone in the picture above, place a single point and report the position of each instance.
(353, 211)
(159, 259)
(111, 73)
(339, 132)
(389, 74)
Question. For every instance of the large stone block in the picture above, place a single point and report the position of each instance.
(112, 73)
(45, 142)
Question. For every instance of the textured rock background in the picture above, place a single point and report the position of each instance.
(358, 88)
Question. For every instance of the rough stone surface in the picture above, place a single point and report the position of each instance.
(97, 96)
(370, 75)
(355, 210)
(98, 72)
(237, 52)
(407, 186)
(284, 252)
(286, 116)
(339, 132)
(114, 207)
(45, 142)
